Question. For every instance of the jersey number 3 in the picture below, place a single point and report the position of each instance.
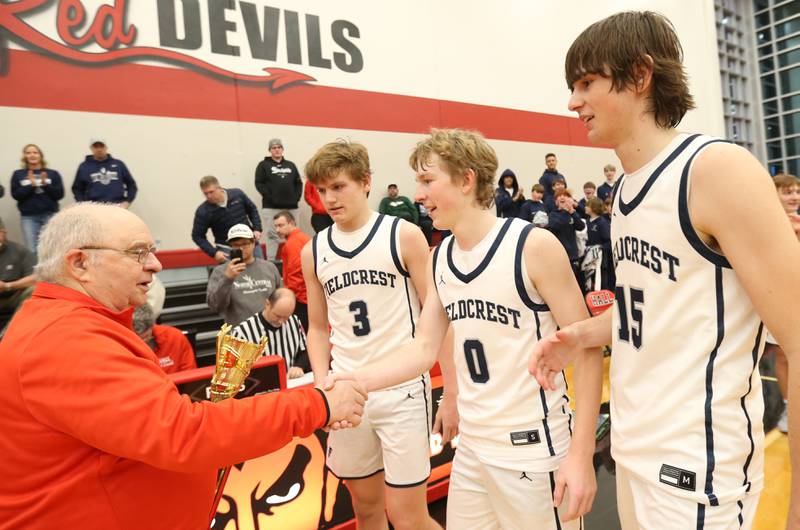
(630, 329)
(359, 310)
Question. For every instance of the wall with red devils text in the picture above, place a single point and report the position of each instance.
(185, 88)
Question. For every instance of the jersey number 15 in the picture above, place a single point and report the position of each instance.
(631, 329)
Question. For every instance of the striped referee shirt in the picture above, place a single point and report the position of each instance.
(288, 341)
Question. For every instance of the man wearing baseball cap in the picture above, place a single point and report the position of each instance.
(279, 183)
(103, 178)
(238, 288)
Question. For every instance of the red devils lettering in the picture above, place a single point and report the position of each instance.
(110, 19)
(108, 31)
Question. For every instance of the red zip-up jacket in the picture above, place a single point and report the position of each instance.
(313, 199)
(292, 266)
(95, 435)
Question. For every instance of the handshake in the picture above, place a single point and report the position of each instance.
(346, 398)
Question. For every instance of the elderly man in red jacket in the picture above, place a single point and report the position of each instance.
(95, 435)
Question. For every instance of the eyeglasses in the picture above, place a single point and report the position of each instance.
(139, 254)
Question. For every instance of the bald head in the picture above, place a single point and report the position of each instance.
(279, 306)
(101, 250)
(85, 224)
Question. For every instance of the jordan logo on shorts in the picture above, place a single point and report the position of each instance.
(524, 476)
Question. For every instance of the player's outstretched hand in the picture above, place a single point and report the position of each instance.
(446, 421)
(551, 355)
(346, 401)
(575, 477)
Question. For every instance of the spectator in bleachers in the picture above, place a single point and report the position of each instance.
(320, 220)
(788, 188)
(550, 175)
(170, 345)
(534, 204)
(238, 288)
(37, 191)
(589, 191)
(103, 178)
(605, 188)
(283, 329)
(16, 272)
(564, 222)
(508, 196)
(279, 183)
(425, 222)
(398, 205)
(599, 238)
(156, 296)
(292, 270)
(559, 184)
(223, 208)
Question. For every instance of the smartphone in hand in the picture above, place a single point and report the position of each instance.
(236, 253)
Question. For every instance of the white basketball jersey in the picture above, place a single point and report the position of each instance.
(497, 317)
(373, 307)
(686, 401)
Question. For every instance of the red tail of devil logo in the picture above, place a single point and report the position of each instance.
(109, 30)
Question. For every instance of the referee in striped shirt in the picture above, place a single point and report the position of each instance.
(283, 329)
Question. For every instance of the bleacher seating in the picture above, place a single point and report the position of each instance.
(185, 308)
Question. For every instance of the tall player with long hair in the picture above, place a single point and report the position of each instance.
(692, 289)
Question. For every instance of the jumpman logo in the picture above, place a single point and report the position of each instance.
(409, 396)
(441, 278)
(524, 476)
(324, 259)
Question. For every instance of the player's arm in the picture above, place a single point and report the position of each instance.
(319, 347)
(550, 271)
(554, 352)
(415, 251)
(764, 252)
(413, 359)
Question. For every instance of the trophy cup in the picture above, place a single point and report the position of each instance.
(235, 357)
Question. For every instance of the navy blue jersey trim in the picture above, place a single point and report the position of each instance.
(435, 261)
(393, 247)
(412, 485)
(553, 496)
(466, 278)
(710, 459)
(626, 208)
(746, 482)
(741, 518)
(314, 251)
(701, 516)
(518, 278)
(425, 397)
(546, 411)
(362, 246)
(410, 309)
(615, 187)
(354, 478)
(686, 221)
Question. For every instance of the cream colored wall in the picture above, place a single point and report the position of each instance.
(508, 54)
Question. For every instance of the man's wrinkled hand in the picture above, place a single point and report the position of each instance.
(346, 400)
(551, 355)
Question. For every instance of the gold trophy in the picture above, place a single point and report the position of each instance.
(235, 357)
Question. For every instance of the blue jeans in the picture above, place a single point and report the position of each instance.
(31, 226)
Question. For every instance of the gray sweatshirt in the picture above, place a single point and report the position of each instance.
(236, 300)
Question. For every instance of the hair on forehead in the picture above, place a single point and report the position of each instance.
(619, 47)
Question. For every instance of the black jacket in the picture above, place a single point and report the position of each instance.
(279, 184)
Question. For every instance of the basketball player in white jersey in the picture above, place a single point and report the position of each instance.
(363, 274)
(501, 284)
(693, 286)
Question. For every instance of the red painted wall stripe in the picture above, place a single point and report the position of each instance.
(179, 93)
